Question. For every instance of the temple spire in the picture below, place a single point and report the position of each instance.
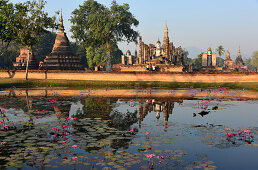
(61, 26)
(239, 53)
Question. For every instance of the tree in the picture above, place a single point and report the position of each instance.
(95, 25)
(9, 23)
(219, 61)
(34, 22)
(79, 51)
(220, 50)
(186, 60)
(197, 62)
(254, 61)
(96, 56)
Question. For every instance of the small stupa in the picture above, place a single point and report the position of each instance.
(21, 60)
(61, 57)
(239, 61)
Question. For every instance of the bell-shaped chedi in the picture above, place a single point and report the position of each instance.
(239, 61)
(61, 57)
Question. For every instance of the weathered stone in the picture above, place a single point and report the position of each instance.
(61, 57)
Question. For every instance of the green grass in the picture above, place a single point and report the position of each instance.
(74, 84)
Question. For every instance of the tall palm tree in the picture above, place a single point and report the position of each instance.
(220, 50)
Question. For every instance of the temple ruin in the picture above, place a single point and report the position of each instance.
(61, 57)
(164, 56)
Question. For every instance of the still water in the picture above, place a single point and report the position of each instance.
(76, 132)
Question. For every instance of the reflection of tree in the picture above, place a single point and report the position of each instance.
(97, 108)
(123, 121)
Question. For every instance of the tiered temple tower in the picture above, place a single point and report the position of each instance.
(161, 53)
(239, 60)
(61, 57)
(228, 62)
(166, 43)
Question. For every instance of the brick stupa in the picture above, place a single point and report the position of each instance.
(61, 57)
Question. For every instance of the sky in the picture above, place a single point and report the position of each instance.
(193, 24)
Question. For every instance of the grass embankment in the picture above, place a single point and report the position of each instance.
(75, 84)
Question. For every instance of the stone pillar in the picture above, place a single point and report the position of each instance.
(130, 60)
(213, 59)
(123, 59)
(140, 50)
(204, 60)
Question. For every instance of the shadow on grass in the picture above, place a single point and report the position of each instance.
(74, 84)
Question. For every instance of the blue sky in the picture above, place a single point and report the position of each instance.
(192, 24)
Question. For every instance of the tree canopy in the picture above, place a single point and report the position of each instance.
(34, 23)
(95, 26)
(254, 60)
(220, 50)
(10, 24)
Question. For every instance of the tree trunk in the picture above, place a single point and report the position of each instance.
(27, 65)
(108, 61)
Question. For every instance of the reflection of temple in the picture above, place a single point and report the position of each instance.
(62, 111)
(156, 106)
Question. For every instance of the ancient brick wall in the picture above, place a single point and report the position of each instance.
(137, 76)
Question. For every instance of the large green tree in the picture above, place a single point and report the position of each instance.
(33, 23)
(220, 50)
(9, 23)
(95, 26)
(197, 62)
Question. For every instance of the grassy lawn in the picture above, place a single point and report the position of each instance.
(74, 84)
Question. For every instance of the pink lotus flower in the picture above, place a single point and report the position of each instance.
(14, 109)
(54, 128)
(3, 111)
(152, 155)
(131, 131)
(229, 134)
(165, 122)
(74, 118)
(1, 122)
(75, 157)
(228, 129)
(234, 134)
(247, 131)
(6, 126)
(65, 141)
(3, 143)
(239, 133)
(65, 130)
(147, 133)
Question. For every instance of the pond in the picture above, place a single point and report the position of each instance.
(86, 129)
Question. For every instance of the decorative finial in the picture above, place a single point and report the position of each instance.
(61, 27)
(166, 27)
(239, 53)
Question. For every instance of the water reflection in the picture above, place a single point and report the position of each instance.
(111, 132)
